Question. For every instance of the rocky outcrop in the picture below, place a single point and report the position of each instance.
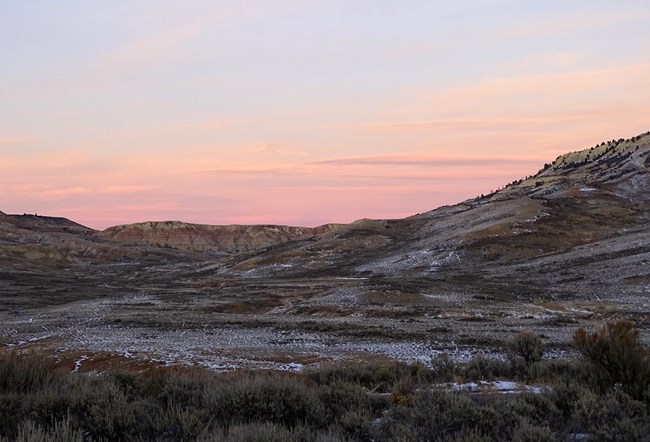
(209, 238)
(43, 243)
(607, 165)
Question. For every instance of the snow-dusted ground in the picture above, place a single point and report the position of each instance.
(502, 387)
(225, 348)
(224, 341)
(293, 323)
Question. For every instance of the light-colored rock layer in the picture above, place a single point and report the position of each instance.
(209, 238)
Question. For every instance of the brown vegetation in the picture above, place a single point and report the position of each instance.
(616, 359)
(368, 402)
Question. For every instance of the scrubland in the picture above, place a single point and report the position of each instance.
(604, 394)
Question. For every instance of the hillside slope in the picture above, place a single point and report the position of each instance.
(585, 206)
(581, 198)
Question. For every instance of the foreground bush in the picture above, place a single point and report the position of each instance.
(24, 373)
(615, 357)
(363, 402)
(525, 350)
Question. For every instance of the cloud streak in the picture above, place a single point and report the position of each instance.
(425, 161)
(148, 52)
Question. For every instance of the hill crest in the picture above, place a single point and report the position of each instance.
(228, 239)
(603, 165)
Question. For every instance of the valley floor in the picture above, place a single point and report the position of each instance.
(287, 324)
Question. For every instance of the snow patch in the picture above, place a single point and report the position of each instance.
(501, 387)
(470, 386)
(292, 367)
(77, 363)
(537, 217)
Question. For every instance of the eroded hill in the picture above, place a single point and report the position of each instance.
(209, 238)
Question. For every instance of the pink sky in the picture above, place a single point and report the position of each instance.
(303, 114)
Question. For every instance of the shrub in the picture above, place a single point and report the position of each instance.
(616, 357)
(268, 432)
(537, 370)
(375, 377)
(482, 368)
(103, 410)
(525, 349)
(444, 368)
(536, 409)
(473, 436)
(356, 426)
(327, 405)
(61, 430)
(340, 398)
(256, 432)
(403, 392)
(628, 430)
(10, 413)
(614, 416)
(181, 387)
(282, 400)
(439, 415)
(564, 393)
(129, 384)
(22, 373)
(532, 433)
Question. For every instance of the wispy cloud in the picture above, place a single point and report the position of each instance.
(127, 189)
(543, 113)
(467, 123)
(561, 25)
(149, 51)
(415, 160)
(274, 150)
(612, 79)
(49, 191)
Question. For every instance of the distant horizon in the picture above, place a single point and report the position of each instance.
(56, 214)
(335, 161)
(373, 159)
(303, 113)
